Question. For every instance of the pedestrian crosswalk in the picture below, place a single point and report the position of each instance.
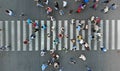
(13, 34)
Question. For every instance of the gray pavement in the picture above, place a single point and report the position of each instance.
(29, 61)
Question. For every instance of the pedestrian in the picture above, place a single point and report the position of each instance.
(72, 21)
(49, 10)
(51, 18)
(56, 65)
(62, 29)
(34, 24)
(26, 41)
(113, 6)
(70, 11)
(78, 28)
(106, 1)
(39, 4)
(9, 12)
(36, 28)
(72, 61)
(56, 5)
(95, 5)
(22, 14)
(29, 21)
(44, 27)
(88, 68)
(86, 46)
(74, 47)
(43, 52)
(103, 49)
(60, 35)
(82, 57)
(33, 36)
(73, 40)
(106, 9)
(64, 3)
(61, 12)
(46, 1)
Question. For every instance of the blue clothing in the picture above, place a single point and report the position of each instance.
(29, 21)
(44, 27)
(78, 28)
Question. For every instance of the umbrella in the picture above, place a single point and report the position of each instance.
(86, 1)
(44, 66)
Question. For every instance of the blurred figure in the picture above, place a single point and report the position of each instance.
(9, 12)
(82, 57)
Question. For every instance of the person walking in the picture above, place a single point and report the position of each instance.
(82, 57)
(56, 5)
(9, 12)
(49, 10)
(64, 4)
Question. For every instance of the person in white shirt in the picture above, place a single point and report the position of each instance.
(9, 12)
(64, 4)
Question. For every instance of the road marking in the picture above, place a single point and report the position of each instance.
(42, 36)
(118, 42)
(54, 34)
(1, 33)
(7, 42)
(107, 34)
(13, 35)
(59, 32)
(83, 35)
(48, 38)
(101, 31)
(66, 33)
(30, 33)
(37, 38)
(18, 36)
(113, 35)
(89, 33)
(77, 33)
(24, 35)
(71, 35)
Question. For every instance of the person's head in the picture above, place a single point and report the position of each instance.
(7, 11)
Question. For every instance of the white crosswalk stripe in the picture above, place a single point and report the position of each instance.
(18, 35)
(37, 38)
(89, 33)
(10, 37)
(7, 42)
(49, 35)
(59, 32)
(77, 33)
(107, 34)
(54, 33)
(66, 34)
(42, 36)
(13, 35)
(71, 36)
(113, 34)
(1, 33)
(24, 35)
(118, 29)
(83, 35)
(101, 31)
(30, 33)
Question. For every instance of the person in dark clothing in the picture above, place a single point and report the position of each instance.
(56, 5)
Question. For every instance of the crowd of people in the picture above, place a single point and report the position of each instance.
(95, 29)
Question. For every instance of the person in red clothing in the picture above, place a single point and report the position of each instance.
(78, 10)
(26, 41)
(34, 24)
